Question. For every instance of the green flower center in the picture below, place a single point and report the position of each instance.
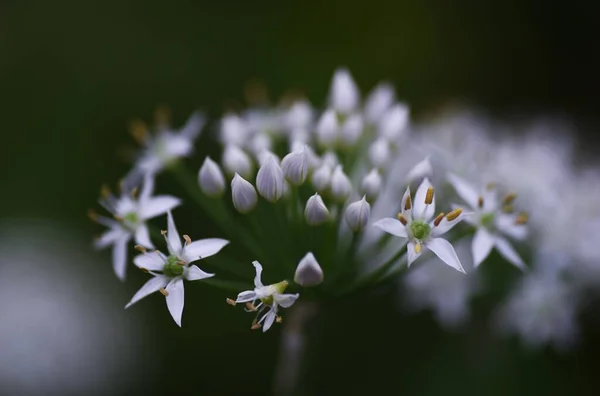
(131, 219)
(278, 288)
(172, 268)
(420, 230)
(487, 219)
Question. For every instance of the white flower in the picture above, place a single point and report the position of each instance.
(491, 222)
(423, 233)
(131, 215)
(295, 166)
(269, 180)
(343, 96)
(211, 179)
(236, 160)
(316, 212)
(271, 297)
(357, 214)
(169, 271)
(308, 272)
(243, 194)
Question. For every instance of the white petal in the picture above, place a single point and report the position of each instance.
(194, 273)
(445, 251)
(193, 126)
(246, 296)
(119, 254)
(147, 187)
(258, 267)
(153, 285)
(506, 225)
(152, 261)
(142, 236)
(482, 246)
(172, 237)
(269, 320)
(286, 300)
(378, 101)
(175, 299)
(412, 254)
(421, 210)
(110, 237)
(422, 169)
(464, 190)
(392, 226)
(157, 205)
(508, 252)
(204, 248)
(406, 212)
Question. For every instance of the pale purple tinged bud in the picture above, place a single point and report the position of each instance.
(295, 166)
(211, 179)
(316, 212)
(327, 129)
(235, 160)
(340, 184)
(344, 96)
(394, 122)
(357, 214)
(321, 178)
(378, 101)
(352, 130)
(309, 272)
(371, 184)
(243, 194)
(269, 181)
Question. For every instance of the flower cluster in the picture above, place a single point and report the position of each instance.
(318, 197)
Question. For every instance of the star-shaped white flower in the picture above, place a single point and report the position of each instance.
(491, 220)
(271, 298)
(165, 147)
(416, 224)
(130, 215)
(170, 271)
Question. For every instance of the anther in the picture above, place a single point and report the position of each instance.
(162, 115)
(522, 218)
(402, 219)
(490, 186)
(92, 215)
(230, 302)
(429, 196)
(250, 307)
(438, 219)
(255, 326)
(408, 203)
(279, 319)
(454, 214)
(188, 240)
(163, 232)
(134, 192)
(509, 198)
(163, 291)
(138, 130)
(418, 248)
(119, 218)
(144, 270)
(140, 248)
(105, 191)
(480, 201)
(508, 209)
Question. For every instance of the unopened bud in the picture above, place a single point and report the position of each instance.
(211, 179)
(340, 184)
(235, 160)
(315, 211)
(265, 155)
(379, 152)
(309, 272)
(394, 122)
(321, 178)
(260, 142)
(327, 129)
(300, 115)
(420, 170)
(371, 184)
(295, 166)
(243, 194)
(344, 95)
(357, 214)
(352, 130)
(234, 130)
(269, 181)
(378, 101)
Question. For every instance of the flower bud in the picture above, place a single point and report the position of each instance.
(295, 166)
(211, 179)
(371, 184)
(233, 130)
(313, 159)
(420, 170)
(344, 96)
(309, 272)
(243, 194)
(235, 160)
(260, 142)
(379, 152)
(269, 180)
(265, 155)
(352, 130)
(330, 158)
(327, 129)
(393, 122)
(321, 177)
(340, 184)
(300, 115)
(357, 214)
(316, 212)
(378, 101)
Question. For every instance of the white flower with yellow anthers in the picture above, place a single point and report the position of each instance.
(271, 298)
(423, 233)
(170, 271)
(492, 218)
(130, 215)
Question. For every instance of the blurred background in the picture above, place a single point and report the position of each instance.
(73, 75)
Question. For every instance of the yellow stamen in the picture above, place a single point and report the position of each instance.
(408, 203)
(490, 186)
(230, 302)
(140, 248)
(402, 219)
(521, 219)
(92, 215)
(454, 214)
(163, 232)
(250, 306)
(255, 326)
(418, 248)
(480, 201)
(119, 218)
(279, 319)
(105, 191)
(134, 192)
(509, 198)
(508, 209)
(188, 240)
(429, 196)
(138, 130)
(438, 219)
(163, 291)
(144, 270)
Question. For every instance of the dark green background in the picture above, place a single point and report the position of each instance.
(74, 73)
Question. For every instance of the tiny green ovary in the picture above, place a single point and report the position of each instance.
(172, 268)
(131, 218)
(420, 230)
(487, 219)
